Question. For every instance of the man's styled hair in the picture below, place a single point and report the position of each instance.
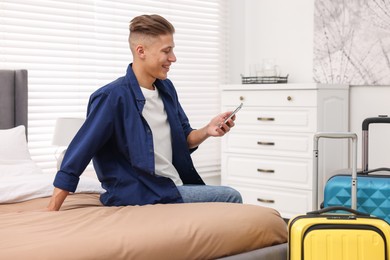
(151, 25)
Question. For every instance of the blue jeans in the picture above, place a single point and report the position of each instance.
(207, 193)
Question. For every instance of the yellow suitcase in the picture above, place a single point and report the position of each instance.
(321, 235)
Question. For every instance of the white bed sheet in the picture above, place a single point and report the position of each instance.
(18, 188)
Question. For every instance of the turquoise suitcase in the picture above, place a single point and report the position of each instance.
(373, 186)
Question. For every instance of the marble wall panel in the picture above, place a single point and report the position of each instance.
(352, 42)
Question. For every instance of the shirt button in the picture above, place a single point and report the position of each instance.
(151, 150)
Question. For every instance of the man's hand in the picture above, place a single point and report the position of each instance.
(216, 127)
(223, 126)
(57, 199)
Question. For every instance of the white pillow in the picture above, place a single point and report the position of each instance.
(13, 144)
(19, 167)
(15, 159)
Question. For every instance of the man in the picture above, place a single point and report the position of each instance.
(138, 134)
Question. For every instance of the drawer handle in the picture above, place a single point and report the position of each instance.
(265, 143)
(289, 98)
(266, 119)
(265, 171)
(265, 200)
(242, 98)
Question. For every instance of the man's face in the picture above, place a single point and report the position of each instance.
(159, 56)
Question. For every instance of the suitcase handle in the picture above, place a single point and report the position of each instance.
(336, 135)
(375, 120)
(366, 122)
(335, 208)
(374, 170)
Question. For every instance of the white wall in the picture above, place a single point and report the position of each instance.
(272, 29)
(370, 101)
(283, 30)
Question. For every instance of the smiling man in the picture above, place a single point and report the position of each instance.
(138, 135)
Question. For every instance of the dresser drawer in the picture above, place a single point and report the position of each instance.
(286, 172)
(288, 202)
(271, 98)
(269, 144)
(293, 119)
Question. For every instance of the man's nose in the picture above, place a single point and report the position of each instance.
(172, 57)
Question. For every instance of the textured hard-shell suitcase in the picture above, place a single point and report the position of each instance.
(373, 192)
(322, 235)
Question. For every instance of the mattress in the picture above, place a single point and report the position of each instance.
(84, 229)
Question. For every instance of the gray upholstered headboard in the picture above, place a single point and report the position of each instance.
(13, 98)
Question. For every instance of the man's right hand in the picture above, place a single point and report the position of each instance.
(57, 199)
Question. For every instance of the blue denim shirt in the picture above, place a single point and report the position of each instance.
(119, 140)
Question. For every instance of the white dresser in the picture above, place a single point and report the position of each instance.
(268, 155)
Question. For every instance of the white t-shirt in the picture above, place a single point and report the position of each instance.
(156, 116)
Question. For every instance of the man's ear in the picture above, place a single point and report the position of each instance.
(140, 51)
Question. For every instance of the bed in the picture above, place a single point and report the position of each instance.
(85, 229)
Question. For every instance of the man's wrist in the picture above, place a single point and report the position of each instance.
(57, 199)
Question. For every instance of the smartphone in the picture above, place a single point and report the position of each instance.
(233, 113)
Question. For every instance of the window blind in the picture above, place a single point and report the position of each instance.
(71, 48)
